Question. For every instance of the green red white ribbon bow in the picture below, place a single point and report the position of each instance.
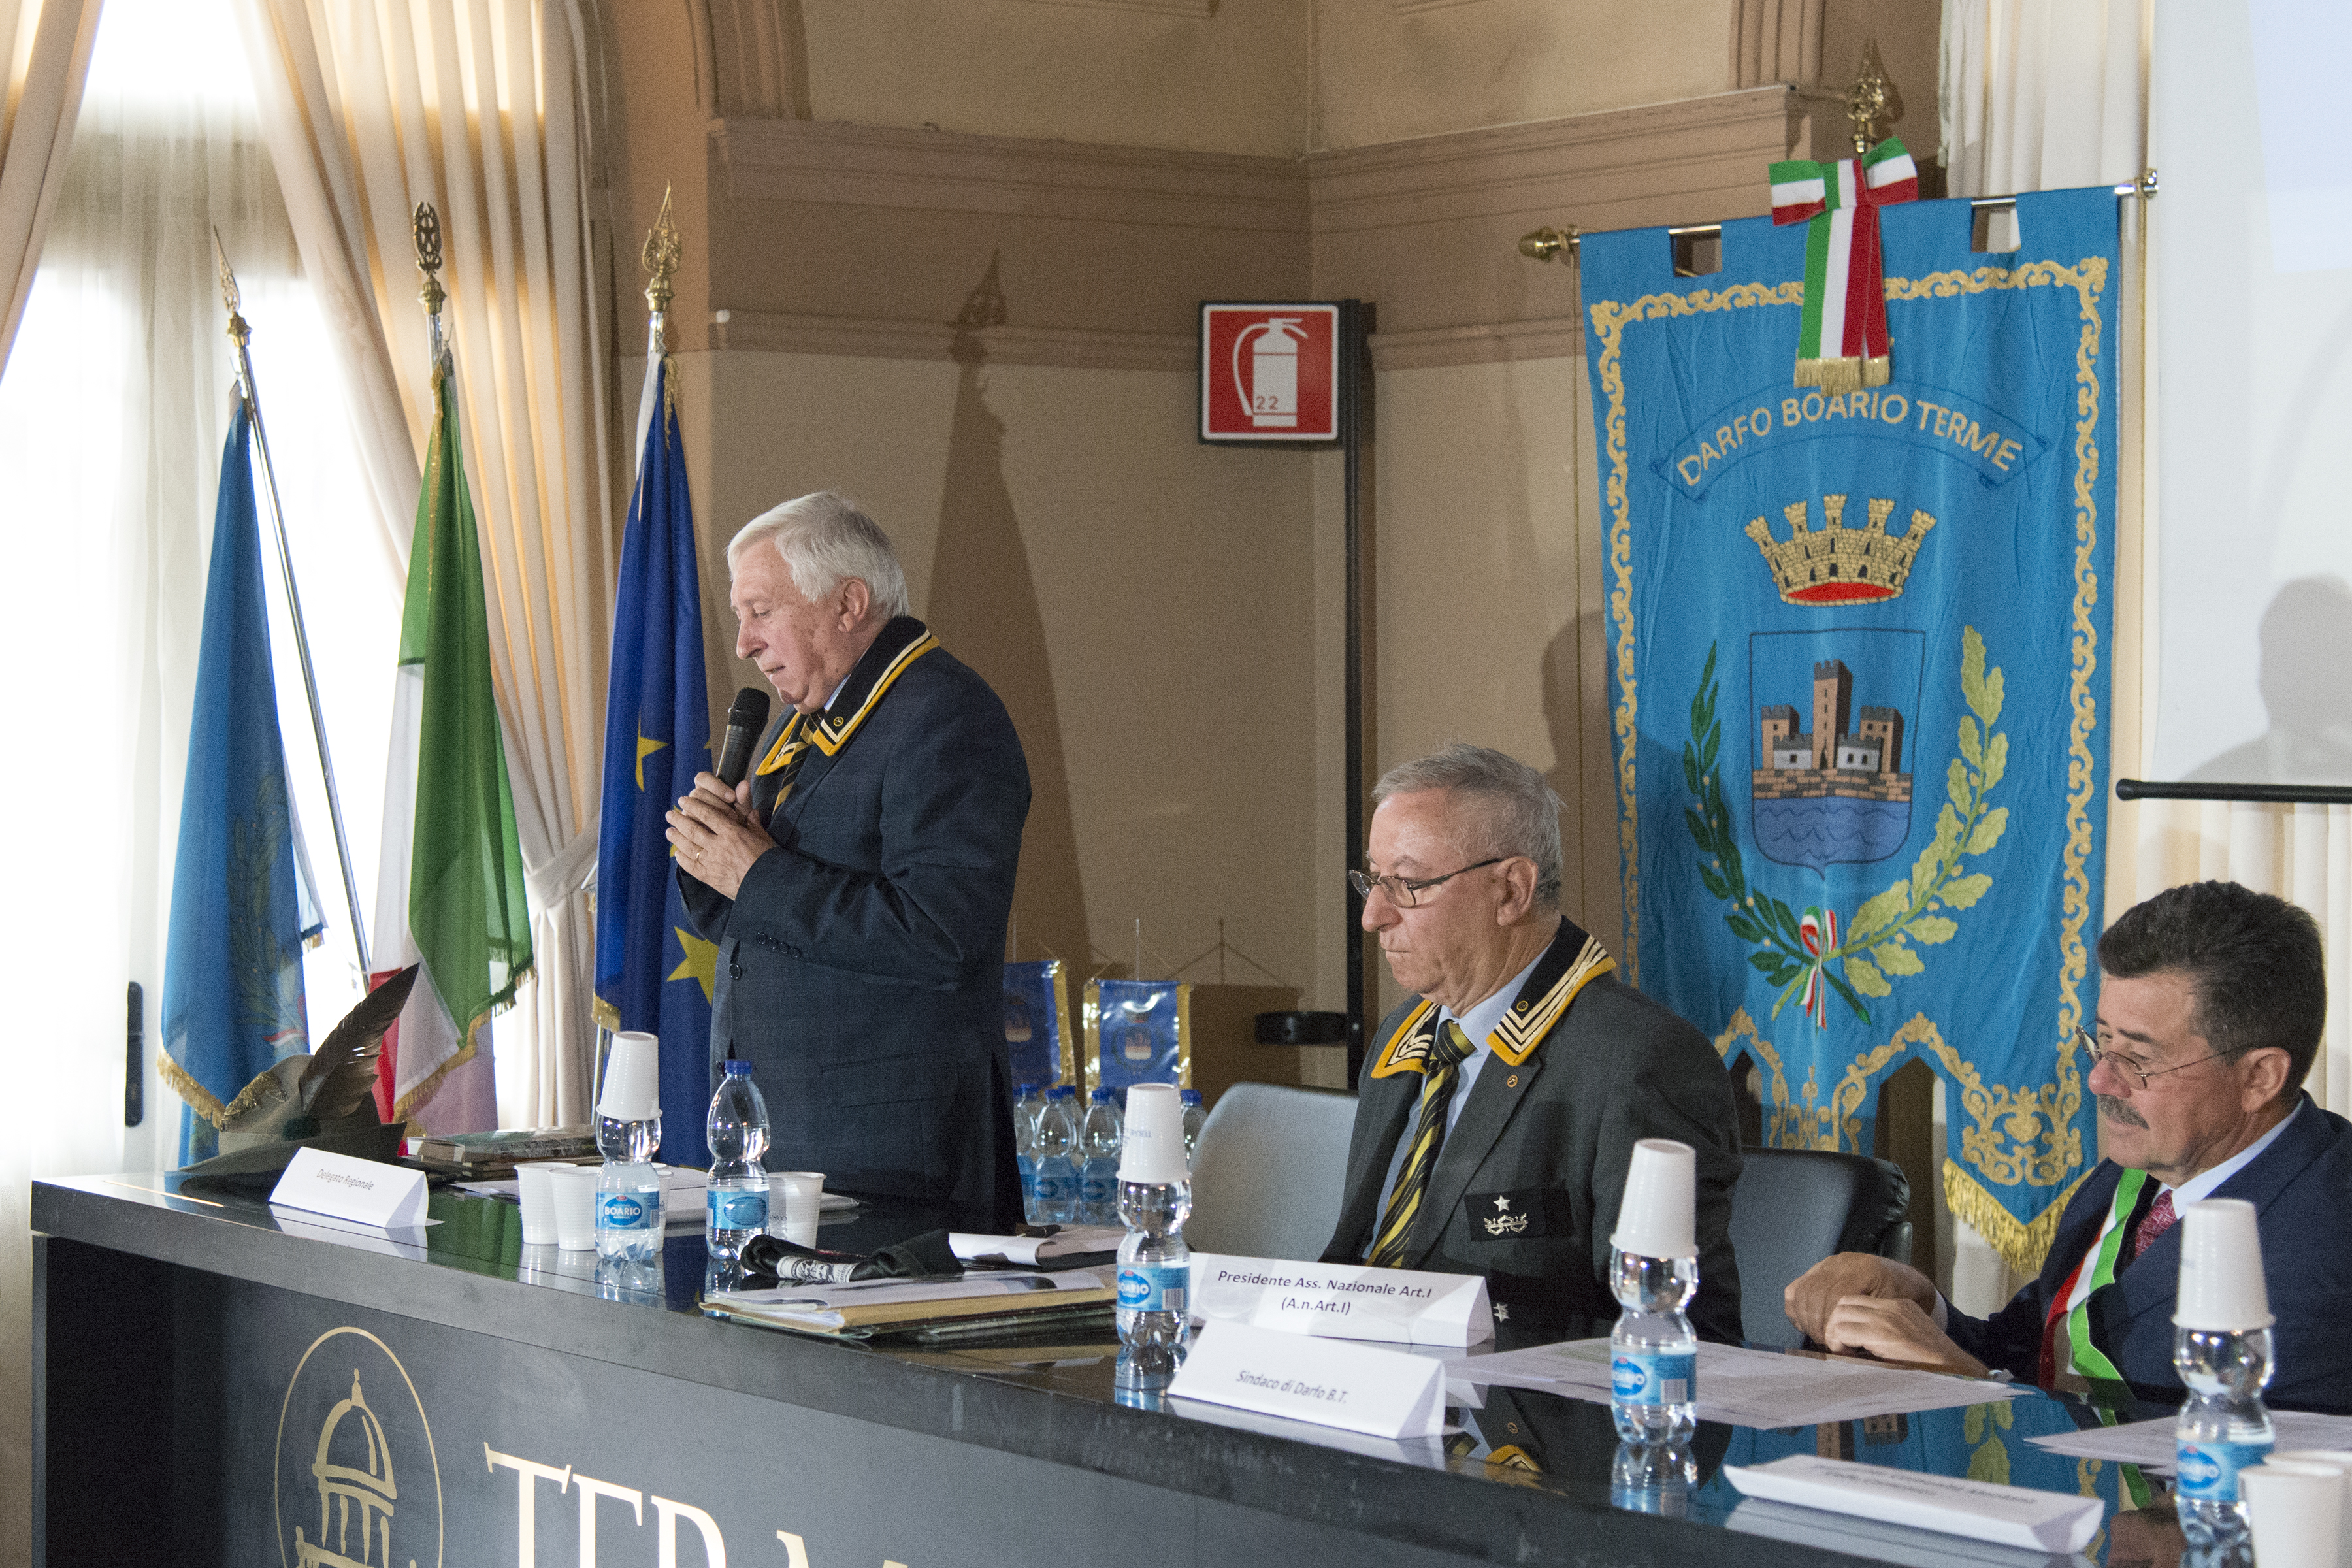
(1842, 345)
(1818, 932)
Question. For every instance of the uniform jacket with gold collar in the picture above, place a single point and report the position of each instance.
(1527, 1181)
(860, 965)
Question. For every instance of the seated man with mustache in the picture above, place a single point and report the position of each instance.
(2211, 1004)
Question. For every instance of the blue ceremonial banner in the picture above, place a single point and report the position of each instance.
(653, 972)
(1137, 1031)
(233, 1000)
(1038, 1023)
(1859, 656)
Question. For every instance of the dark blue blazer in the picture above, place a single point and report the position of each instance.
(2301, 1186)
(861, 964)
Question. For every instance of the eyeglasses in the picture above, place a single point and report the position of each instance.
(2129, 1065)
(1406, 892)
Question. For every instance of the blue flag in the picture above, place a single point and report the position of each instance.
(654, 970)
(233, 1001)
(1859, 646)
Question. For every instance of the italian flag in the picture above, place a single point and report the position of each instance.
(1842, 343)
(449, 890)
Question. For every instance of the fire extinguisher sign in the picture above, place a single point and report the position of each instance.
(1270, 372)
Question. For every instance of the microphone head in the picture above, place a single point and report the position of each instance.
(750, 709)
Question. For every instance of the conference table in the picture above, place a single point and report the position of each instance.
(217, 1382)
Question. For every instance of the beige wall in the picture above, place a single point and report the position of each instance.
(1389, 69)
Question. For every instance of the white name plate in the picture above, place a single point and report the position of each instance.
(1983, 1510)
(365, 1192)
(1342, 1302)
(1382, 1394)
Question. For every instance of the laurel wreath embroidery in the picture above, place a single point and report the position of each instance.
(1878, 944)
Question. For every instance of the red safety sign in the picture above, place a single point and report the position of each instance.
(1270, 372)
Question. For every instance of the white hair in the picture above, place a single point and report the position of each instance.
(824, 540)
(1502, 806)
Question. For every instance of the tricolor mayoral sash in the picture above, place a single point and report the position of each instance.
(1858, 656)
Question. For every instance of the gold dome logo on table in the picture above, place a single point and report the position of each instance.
(358, 1482)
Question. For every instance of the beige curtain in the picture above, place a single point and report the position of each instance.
(2041, 95)
(48, 57)
(476, 106)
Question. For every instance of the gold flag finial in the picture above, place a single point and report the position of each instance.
(426, 230)
(238, 332)
(1547, 242)
(1871, 100)
(660, 258)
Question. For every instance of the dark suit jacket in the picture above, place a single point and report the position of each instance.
(861, 962)
(1552, 1132)
(2301, 1185)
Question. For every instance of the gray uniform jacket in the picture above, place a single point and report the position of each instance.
(861, 964)
(1528, 1182)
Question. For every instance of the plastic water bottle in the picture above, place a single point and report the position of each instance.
(2223, 1427)
(737, 1199)
(1195, 1115)
(628, 1189)
(1155, 1266)
(1653, 1479)
(1026, 1104)
(1098, 1141)
(1058, 1172)
(1653, 1354)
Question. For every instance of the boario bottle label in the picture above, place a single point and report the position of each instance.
(2207, 1473)
(1153, 1287)
(626, 1211)
(1641, 1379)
(737, 1210)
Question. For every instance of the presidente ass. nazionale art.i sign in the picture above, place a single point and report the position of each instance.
(1858, 638)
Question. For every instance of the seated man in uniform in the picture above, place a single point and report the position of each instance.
(2211, 1007)
(1501, 1102)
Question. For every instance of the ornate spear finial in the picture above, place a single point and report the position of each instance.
(1871, 100)
(660, 258)
(238, 332)
(426, 230)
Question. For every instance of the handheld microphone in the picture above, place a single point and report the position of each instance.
(745, 719)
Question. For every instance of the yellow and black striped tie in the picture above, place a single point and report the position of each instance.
(1447, 1052)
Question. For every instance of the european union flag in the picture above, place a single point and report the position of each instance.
(653, 971)
(233, 1001)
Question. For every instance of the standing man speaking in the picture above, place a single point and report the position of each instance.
(858, 882)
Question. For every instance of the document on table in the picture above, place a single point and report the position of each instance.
(2149, 1444)
(1744, 1387)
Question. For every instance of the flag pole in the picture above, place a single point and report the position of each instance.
(247, 390)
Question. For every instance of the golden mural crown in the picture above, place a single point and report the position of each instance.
(1834, 564)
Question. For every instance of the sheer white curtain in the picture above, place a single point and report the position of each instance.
(48, 44)
(476, 106)
(112, 410)
(2041, 95)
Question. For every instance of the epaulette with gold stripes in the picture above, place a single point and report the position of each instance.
(1514, 1039)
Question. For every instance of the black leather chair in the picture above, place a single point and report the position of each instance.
(1792, 1207)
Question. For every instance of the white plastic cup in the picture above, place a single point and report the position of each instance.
(632, 1090)
(574, 1191)
(803, 1203)
(537, 1180)
(1152, 1147)
(1654, 1218)
(2221, 1269)
(2295, 1510)
(2339, 1460)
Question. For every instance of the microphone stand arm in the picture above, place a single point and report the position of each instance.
(238, 333)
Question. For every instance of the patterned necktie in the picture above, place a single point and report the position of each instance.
(1447, 1052)
(2155, 1223)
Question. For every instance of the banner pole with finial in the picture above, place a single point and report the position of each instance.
(426, 231)
(239, 333)
(660, 256)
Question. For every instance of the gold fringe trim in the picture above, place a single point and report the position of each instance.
(407, 1104)
(1837, 376)
(2020, 1246)
(206, 1104)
